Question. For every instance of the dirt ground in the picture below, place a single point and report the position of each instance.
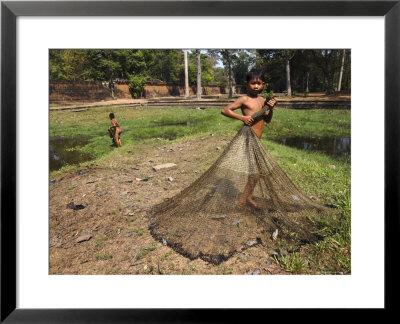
(98, 222)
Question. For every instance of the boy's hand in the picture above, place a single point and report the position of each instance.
(271, 102)
(248, 120)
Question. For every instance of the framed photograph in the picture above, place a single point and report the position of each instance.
(32, 290)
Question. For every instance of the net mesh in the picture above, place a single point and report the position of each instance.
(213, 218)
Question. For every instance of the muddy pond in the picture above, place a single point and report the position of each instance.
(332, 146)
(65, 150)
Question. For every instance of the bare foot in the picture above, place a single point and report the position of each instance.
(252, 203)
(240, 204)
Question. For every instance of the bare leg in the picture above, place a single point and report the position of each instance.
(247, 193)
(117, 138)
(112, 134)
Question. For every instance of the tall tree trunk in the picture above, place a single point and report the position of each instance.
(288, 86)
(198, 75)
(308, 77)
(230, 75)
(341, 71)
(111, 86)
(186, 74)
(331, 88)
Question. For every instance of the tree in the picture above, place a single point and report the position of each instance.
(220, 77)
(341, 71)
(198, 74)
(133, 62)
(229, 58)
(288, 55)
(136, 84)
(110, 66)
(164, 65)
(207, 70)
(55, 65)
(243, 63)
(186, 74)
(277, 68)
(307, 70)
(328, 62)
(68, 64)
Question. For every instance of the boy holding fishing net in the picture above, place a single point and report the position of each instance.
(250, 104)
(203, 222)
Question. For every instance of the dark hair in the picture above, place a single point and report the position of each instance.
(254, 74)
(111, 116)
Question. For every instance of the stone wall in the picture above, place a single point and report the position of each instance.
(93, 91)
(78, 91)
(172, 90)
(122, 91)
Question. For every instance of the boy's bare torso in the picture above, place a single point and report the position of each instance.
(251, 105)
(114, 123)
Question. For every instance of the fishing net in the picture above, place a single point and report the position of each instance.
(212, 219)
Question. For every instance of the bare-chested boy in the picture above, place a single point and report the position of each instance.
(250, 104)
(115, 131)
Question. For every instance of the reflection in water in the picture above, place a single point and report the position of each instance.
(64, 151)
(334, 146)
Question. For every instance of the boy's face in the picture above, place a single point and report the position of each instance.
(254, 86)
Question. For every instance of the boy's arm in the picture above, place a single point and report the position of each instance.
(228, 111)
(268, 115)
(269, 112)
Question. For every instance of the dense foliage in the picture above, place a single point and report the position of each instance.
(310, 70)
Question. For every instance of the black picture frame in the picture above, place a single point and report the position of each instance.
(10, 10)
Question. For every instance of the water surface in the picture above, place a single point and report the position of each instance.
(64, 150)
(333, 146)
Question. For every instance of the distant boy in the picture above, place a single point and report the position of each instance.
(250, 104)
(115, 131)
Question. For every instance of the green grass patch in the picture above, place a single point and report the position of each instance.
(104, 256)
(100, 242)
(137, 231)
(309, 123)
(143, 252)
(293, 262)
(168, 122)
(314, 172)
(140, 125)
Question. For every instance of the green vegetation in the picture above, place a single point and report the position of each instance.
(176, 123)
(312, 70)
(143, 252)
(311, 171)
(100, 242)
(309, 123)
(137, 231)
(292, 262)
(136, 84)
(105, 256)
